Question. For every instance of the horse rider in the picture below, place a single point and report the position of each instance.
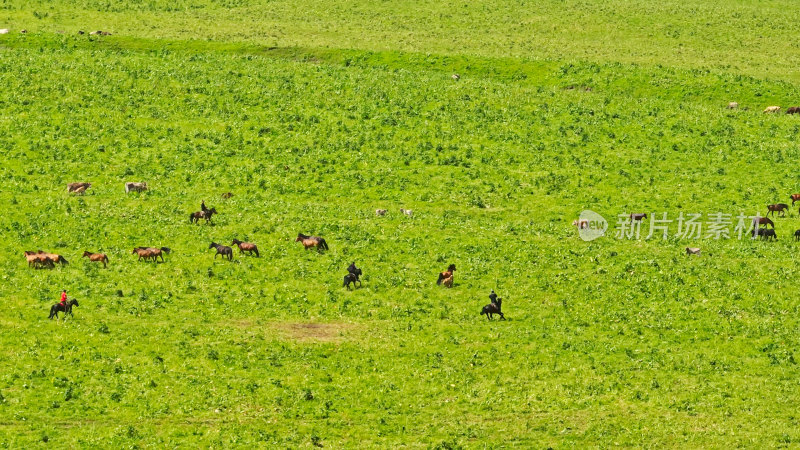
(203, 206)
(493, 297)
(63, 301)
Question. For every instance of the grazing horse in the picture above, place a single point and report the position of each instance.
(733, 105)
(447, 276)
(795, 197)
(580, 223)
(78, 188)
(765, 233)
(97, 257)
(135, 187)
(693, 251)
(408, 212)
(312, 241)
(246, 247)
(380, 212)
(763, 221)
(793, 110)
(66, 309)
(196, 216)
(780, 207)
(638, 217)
(222, 250)
(772, 109)
(493, 308)
(227, 195)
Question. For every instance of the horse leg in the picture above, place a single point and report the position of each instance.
(501, 315)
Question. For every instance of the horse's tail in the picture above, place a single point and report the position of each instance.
(323, 244)
(63, 260)
(439, 281)
(52, 311)
(191, 217)
(255, 249)
(105, 258)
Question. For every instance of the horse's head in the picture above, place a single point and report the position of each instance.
(86, 254)
(300, 237)
(212, 210)
(213, 244)
(451, 268)
(166, 250)
(74, 302)
(236, 242)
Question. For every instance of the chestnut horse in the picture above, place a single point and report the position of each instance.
(447, 277)
(780, 207)
(763, 221)
(312, 241)
(795, 197)
(246, 247)
(97, 257)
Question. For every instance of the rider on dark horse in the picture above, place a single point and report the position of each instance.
(493, 297)
(63, 301)
(203, 206)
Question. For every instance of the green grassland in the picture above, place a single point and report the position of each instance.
(353, 108)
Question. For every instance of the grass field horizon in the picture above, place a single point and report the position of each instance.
(314, 116)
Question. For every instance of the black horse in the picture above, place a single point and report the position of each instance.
(493, 308)
(222, 250)
(765, 233)
(66, 309)
(353, 275)
(797, 235)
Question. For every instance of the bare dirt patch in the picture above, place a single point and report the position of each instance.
(315, 331)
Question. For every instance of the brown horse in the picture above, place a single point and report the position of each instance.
(638, 217)
(52, 258)
(763, 221)
(97, 257)
(227, 195)
(222, 250)
(312, 241)
(196, 216)
(246, 247)
(780, 207)
(78, 188)
(447, 277)
(793, 110)
(795, 197)
(151, 253)
(38, 260)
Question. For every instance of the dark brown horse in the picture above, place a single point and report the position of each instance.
(793, 110)
(312, 241)
(795, 197)
(781, 208)
(638, 217)
(246, 247)
(765, 233)
(196, 216)
(97, 257)
(493, 308)
(763, 221)
(222, 250)
(444, 276)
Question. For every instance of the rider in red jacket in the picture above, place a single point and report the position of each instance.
(64, 297)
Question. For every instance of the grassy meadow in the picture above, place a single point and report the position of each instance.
(314, 115)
